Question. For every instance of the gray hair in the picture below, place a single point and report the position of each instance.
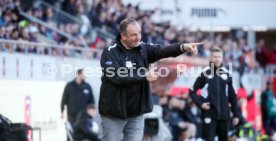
(124, 23)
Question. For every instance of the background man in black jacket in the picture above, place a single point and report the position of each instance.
(76, 96)
(217, 98)
(125, 93)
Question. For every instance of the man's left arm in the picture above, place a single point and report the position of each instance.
(233, 99)
(91, 95)
(157, 52)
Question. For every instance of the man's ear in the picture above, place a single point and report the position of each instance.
(123, 36)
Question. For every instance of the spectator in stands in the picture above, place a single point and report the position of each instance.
(269, 104)
(242, 67)
(33, 30)
(29, 12)
(264, 98)
(33, 49)
(48, 15)
(191, 113)
(6, 16)
(3, 32)
(9, 29)
(69, 6)
(105, 15)
(235, 51)
(272, 55)
(2, 22)
(85, 20)
(24, 34)
(242, 101)
(261, 53)
(181, 129)
(20, 47)
(85, 127)
(15, 34)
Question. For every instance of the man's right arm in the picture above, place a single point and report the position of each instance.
(64, 100)
(157, 52)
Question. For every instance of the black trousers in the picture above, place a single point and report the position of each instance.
(213, 127)
(72, 119)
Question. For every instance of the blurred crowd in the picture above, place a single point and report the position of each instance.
(182, 116)
(184, 121)
(106, 15)
(15, 26)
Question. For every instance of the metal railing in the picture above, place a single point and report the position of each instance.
(64, 17)
(33, 19)
(61, 14)
(103, 34)
(26, 47)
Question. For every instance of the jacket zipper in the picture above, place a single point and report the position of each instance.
(218, 89)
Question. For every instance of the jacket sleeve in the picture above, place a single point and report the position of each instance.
(268, 105)
(199, 83)
(110, 66)
(157, 52)
(64, 100)
(233, 99)
(91, 95)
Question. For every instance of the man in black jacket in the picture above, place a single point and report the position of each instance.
(85, 127)
(125, 92)
(217, 98)
(76, 96)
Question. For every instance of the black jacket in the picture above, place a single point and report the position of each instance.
(83, 127)
(76, 97)
(129, 96)
(218, 90)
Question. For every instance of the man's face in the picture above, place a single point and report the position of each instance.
(91, 112)
(262, 42)
(270, 86)
(132, 37)
(81, 76)
(216, 58)
(174, 102)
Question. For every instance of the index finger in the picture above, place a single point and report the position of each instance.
(196, 44)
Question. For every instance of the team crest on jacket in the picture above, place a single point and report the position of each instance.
(224, 76)
(108, 62)
(207, 120)
(209, 76)
(85, 91)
